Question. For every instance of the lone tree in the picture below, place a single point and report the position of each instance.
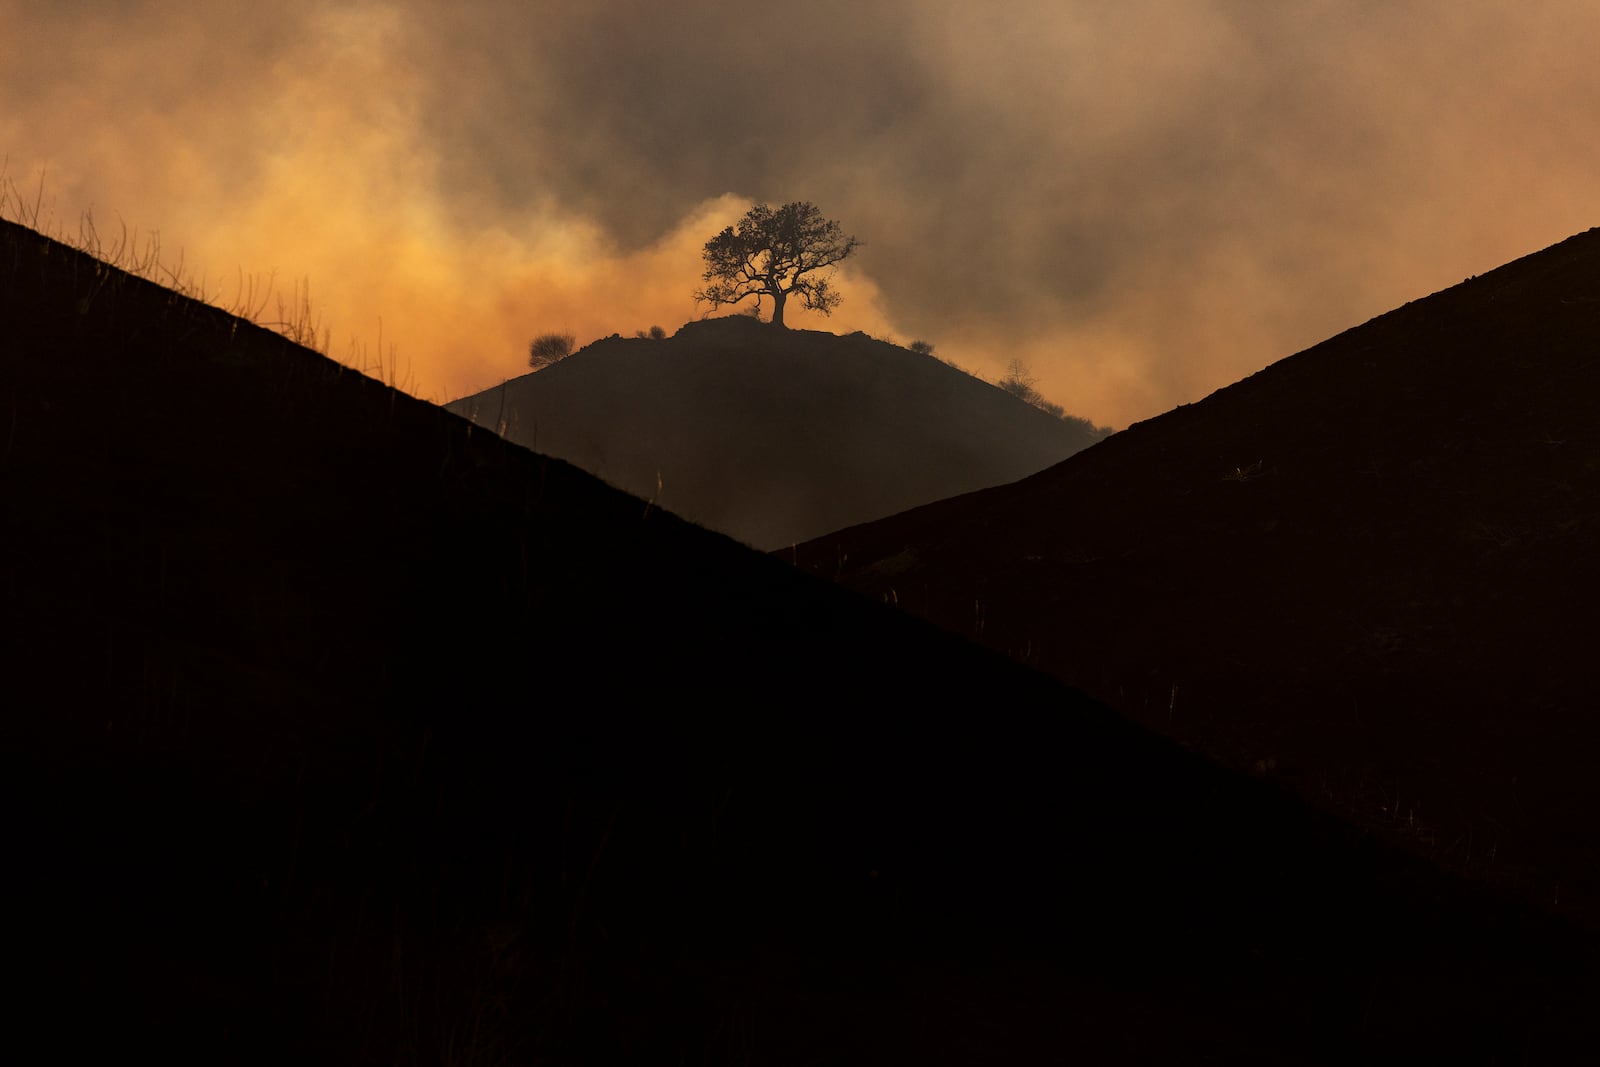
(774, 253)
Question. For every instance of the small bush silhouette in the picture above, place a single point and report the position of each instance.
(550, 348)
(1099, 433)
(1019, 383)
(922, 348)
(654, 333)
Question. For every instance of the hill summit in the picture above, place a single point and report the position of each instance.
(775, 436)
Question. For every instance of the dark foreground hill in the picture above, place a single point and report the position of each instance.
(1370, 570)
(775, 436)
(337, 731)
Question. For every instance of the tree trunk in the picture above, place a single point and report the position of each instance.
(778, 298)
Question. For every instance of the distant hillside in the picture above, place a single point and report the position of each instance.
(1370, 570)
(775, 436)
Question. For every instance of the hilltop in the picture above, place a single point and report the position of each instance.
(339, 730)
(1368, 571)
(774, 436)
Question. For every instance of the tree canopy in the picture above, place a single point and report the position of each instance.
(775, 253)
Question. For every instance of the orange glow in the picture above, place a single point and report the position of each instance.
(1145, 202)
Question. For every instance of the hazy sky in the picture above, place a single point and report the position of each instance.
(1144, 199)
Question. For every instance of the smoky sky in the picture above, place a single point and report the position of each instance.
(1143, 199)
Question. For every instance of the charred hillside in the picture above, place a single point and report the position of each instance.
(774, 436)
(339, 730)
(1369, 570)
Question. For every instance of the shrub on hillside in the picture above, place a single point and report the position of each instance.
(1098, 432)
(1019, 383)
(922, 348)
(550, 348)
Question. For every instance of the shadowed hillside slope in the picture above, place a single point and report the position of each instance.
(1370, 570)
(774, 436)
(337, 731)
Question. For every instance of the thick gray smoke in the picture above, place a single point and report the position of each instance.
(1143, 199)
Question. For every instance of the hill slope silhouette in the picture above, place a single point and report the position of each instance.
(1369, 569)
(339, 731)
(774, 436)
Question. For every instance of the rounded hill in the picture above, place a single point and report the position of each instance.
(776, 436)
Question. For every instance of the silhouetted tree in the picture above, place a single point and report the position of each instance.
(550, 348)
(1018, 382)
(922, 348)
(776, 253)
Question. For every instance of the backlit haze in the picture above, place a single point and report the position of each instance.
(1143, 199)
